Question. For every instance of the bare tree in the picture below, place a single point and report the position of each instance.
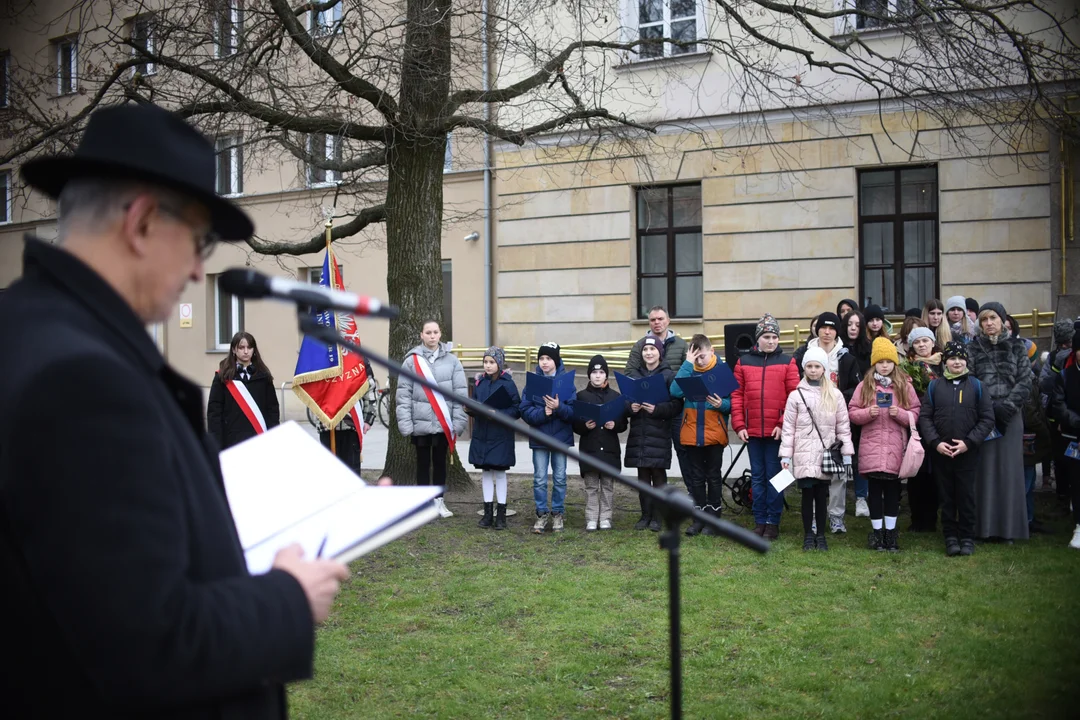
(366, 93)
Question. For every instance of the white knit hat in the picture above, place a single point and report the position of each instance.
(815, 354)
(920, 332)
(956, 301)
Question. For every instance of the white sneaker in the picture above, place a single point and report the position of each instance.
(1076, 538)
(541, 523)
(836, 524)
(605, 524)
(590, 526)
(556, 522)
(861, 508)
(444, 511)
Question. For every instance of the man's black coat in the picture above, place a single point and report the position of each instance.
(124, 586)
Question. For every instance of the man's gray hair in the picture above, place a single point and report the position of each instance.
(661, 308)
(90, 201)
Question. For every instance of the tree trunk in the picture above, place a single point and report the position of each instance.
(414, 200)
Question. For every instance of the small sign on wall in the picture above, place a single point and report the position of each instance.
(185, 315)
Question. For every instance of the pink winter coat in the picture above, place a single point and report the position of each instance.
(881, 447)
(799, 441)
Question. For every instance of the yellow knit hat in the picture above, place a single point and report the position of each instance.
(883, 349)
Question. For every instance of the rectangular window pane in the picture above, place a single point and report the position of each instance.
(684, 31)
(877, 193)
(688, 298)
(142, 37)
(877, 244)
(652, 255)
(317, 150)
(5, 80)
(918, 190)
(652, 208)
(920, 284)
(879, 288)
(919, 242)
(650, 11)
(5, 197)
(238, 315)
(65, 66)
(653, 32)
(687, 252)
(683, 9)
(224, 165)
(686, 205)
(653, 292)
(447, 300)
(224, 315)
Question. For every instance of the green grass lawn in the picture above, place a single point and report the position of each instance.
(458, 622)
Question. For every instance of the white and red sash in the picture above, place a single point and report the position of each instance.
(438, 402)
(247, 404)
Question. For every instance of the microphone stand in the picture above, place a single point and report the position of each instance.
(677, 506)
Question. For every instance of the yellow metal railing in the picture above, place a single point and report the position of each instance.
(618, 351)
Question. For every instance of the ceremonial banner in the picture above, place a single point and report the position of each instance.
(330, 379)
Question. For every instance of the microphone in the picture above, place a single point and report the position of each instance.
(247, 283)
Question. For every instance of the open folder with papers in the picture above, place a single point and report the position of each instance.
(284, 487)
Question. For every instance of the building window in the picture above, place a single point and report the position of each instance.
(5, 196)
(314, 274)
(230, 165)
(875, 14)
(67, 65)
(898, 237)
(326, 22)
(669, 250)
(5, 79)
(228, 24)
(654, 19)
(448, 154)
(447, 326)
(228, 316)
(324, 149)
(142, 36)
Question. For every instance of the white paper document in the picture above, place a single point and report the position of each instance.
(284, 487)
(782, 479)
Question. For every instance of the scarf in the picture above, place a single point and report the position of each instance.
(883, 381)
(813, 383)
(950, 375)
(934, 359)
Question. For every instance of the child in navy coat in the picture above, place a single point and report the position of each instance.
(492, 446)
(551, 416)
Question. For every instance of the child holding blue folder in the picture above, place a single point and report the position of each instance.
(600, 442)
(551, 416)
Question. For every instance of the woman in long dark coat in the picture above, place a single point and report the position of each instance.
(492, 447)
(228, 422)
(1001, 363)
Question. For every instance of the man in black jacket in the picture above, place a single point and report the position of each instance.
(125, 588)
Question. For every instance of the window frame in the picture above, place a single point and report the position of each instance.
(447, 277)
(145, 22)
(5, 79)
(236, 317)
(670, 273)
(849, 23)
(632, 31)
(324, 28)
(898, 218)
(235, 149)
(6, 198)
(331, 151)
(73, 66)
(231, 12)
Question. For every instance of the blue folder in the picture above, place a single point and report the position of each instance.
(560, 386)
(601, 414)
(500, 399)
(718, 381)
(646, 391)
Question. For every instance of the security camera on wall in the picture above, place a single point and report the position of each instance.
(472, 236)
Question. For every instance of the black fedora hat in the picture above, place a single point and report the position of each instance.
(144, 142)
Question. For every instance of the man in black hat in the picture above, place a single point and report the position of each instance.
(125, 587)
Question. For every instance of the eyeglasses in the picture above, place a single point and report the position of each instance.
(205, 241)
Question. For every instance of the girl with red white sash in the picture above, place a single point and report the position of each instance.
(433, 422)
(243, 402)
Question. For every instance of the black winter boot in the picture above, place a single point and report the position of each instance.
(500, 517)
(695, 527)
(822, 543)
(715, 511)
(808, 541)
(952, 546)
(892, 540)
(485, 522)
(646, 512)
(875, 541)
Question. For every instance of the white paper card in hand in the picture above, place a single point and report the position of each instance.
(284, 487)
(781, 480)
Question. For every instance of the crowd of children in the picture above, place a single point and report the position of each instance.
(951, 409)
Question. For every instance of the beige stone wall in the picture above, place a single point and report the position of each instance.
(779, 223)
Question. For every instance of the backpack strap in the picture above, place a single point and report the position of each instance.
(930, 393)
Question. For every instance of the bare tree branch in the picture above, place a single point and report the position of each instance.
(364, 218)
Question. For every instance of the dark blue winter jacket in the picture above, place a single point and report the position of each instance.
(558, 425)
(492, 446)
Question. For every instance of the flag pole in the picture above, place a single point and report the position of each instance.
(329, 227)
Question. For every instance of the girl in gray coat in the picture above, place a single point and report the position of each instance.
(433, 422)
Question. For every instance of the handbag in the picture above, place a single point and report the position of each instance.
(913, 453)
(832, 460)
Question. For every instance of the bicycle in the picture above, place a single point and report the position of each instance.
(382, 404)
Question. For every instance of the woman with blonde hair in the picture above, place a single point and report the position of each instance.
(933, 317)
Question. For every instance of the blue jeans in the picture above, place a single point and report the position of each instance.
(862, 485)
(764, 465)
(1029, 490)
(558, 481)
